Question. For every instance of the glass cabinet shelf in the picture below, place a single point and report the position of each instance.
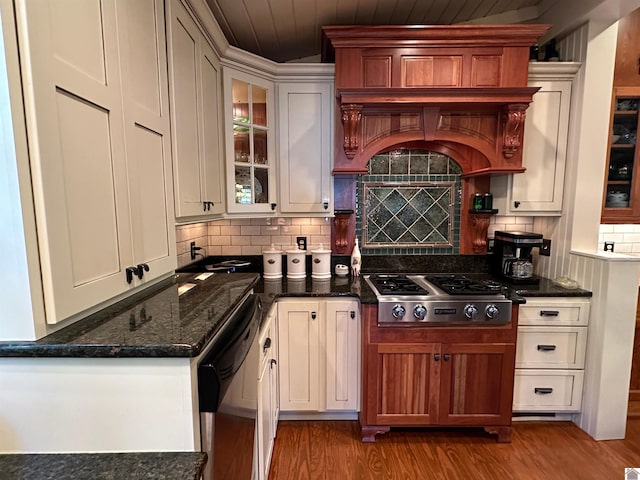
(620, 191)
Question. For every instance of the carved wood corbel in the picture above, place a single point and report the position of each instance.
(513, 128)
(341, 222)
(478, 231)
(351, 115)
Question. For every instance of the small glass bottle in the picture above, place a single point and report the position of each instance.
(478, 203)
(487, 201)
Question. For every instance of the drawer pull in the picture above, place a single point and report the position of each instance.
(546, 348)
(549, 313)
(542, 390)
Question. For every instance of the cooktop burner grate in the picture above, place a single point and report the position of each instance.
(388, 284)
(455, 284)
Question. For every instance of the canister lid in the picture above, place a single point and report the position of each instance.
(272, 249)
(321, 250)
(296, 250)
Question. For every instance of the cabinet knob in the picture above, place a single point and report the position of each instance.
(326, 205)
(130, 272)
(273, 206)
(141, 267)
(267, 345)
(272, 362)
(352, 314)
(436, 357)
(313, 315)
(516, 204)
(446, 357)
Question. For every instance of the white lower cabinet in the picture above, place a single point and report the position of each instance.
(268, 408)
(550, 355)
(319, 347)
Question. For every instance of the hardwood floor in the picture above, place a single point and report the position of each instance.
(332, 450)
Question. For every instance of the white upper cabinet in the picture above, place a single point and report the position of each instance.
(96, 103)
(539, 190)
(195, 80)
(249, 128)
(305, 147)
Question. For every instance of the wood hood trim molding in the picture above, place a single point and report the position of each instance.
(509, 105)
(463, 84)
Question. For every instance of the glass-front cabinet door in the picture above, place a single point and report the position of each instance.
(250, 146)
(622, 186)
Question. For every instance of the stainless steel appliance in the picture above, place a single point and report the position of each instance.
(512, 260)
(447, 299)
(227, 413)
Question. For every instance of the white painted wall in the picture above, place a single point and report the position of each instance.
(22, 314)
(613, 278)
(97, 405)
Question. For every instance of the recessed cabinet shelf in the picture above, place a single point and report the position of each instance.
(621, 202)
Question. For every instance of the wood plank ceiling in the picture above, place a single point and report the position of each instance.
(288, 30)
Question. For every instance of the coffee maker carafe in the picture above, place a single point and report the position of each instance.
(512, 259)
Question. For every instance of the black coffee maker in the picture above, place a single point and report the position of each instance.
(512, 259)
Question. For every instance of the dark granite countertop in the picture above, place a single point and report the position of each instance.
(158, 322)
(161, 322)
(271, 290)
(103, 466)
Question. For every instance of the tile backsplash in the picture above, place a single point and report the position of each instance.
(250, 236)
(509, 224)
(626, 238)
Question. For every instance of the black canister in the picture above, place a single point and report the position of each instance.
(487, 201)
(478, 202)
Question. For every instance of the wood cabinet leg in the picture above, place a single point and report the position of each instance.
(503, 433)
(369, 433)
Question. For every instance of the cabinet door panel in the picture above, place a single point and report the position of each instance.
(78, 35)
(298, 344)
(74, 120)
(184, 87)
(92, 228)
(477, 383)
(212, 157)
(432, 71)
(544, 154)
(407, 384)
(147, 134)
(305, 147)
(342, 367)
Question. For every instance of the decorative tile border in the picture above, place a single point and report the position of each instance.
(405, 173)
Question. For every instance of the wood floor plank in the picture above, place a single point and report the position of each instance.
(332, 450)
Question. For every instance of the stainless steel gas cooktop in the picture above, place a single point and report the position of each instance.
(449, 299)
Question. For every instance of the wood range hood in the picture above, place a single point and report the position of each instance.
(463, 87)
(460, 90)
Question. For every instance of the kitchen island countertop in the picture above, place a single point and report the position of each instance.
(104, 466)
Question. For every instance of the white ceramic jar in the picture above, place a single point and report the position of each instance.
(296, 260)
(320, 263)
(272, 263)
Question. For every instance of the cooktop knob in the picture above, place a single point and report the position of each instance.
(492, 311)
(470, 311)
(398, 311)
(420, 311)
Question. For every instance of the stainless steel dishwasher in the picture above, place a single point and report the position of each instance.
(227, 379)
